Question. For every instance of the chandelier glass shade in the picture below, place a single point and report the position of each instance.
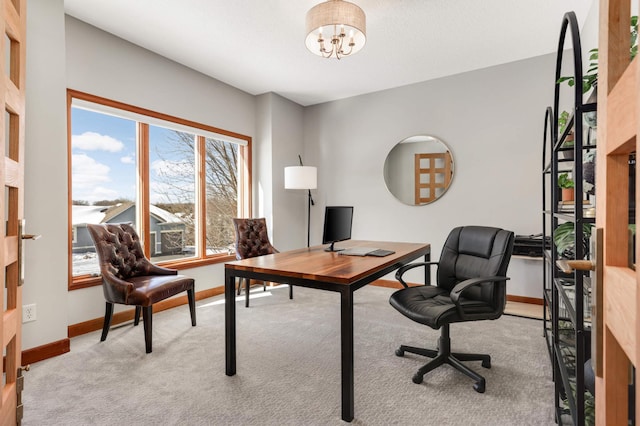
(335, 28)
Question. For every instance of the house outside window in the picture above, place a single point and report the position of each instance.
(141, 167)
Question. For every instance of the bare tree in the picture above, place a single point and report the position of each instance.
(221, 178)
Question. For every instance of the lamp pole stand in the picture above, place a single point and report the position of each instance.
(311, 203)
(309, 219)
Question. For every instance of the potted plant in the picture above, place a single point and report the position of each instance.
(590, 78)
(566, 184)
(564, 238)
(563, 121)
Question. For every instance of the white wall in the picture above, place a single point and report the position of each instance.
(279, 126)
(290, 218)
(45, 204)
(102, 64)
(262, 169)
(491, 119)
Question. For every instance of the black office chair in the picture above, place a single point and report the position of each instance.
(471, 286)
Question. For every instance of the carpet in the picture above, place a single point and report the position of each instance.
(288, 369)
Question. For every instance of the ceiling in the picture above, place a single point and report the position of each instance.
(258, 45)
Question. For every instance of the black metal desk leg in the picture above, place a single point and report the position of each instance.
(427, 270)
(230, 322)
(346, 332)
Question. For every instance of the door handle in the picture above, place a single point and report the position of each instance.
(596, 300)
(568, 266)
(21, 225)
(31, 237)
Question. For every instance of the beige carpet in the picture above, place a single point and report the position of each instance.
(289, 370)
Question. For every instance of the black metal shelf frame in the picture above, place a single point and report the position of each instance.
(564, 295)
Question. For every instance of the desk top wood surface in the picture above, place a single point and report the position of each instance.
(316, 264)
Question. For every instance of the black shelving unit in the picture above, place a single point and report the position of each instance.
(567, 324)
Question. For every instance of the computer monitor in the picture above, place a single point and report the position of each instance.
(337, 225)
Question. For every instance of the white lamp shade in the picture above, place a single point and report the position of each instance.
(329, 16)
(300, 177)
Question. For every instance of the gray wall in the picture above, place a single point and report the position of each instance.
(66, 53)
(45, 202)
(279, 129)
(491, 119)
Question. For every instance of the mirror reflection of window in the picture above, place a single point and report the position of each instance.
(419, 170)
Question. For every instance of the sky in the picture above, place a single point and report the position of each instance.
(104, 160)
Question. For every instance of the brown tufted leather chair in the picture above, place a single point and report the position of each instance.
(252, 241)
(129, 278)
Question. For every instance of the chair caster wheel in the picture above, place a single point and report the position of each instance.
(479, 386)
(417, 378)
(399, 352)
(486, 363)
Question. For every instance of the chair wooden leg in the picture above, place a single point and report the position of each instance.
(108, 314)
(192, 305)
(136, 315)
(239, 285)
(147, 313)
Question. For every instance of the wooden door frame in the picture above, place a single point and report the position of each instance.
(12, 143)
(618, 127)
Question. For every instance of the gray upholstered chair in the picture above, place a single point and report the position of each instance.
(471, 286)
(252, 240)
(129, 278)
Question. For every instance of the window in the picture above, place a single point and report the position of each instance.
(178, 182)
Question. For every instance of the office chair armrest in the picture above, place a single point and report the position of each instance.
(405, 268)
(464, 285)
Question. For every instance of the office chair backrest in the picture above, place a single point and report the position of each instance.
(119, 250)
(251, 238)
(477, 251)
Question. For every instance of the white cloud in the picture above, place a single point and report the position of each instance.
(100, 193)
(87, 172)
(127, 160)
(172, 169)
(92, 141)
(88, 178)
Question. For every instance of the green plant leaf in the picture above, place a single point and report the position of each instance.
(564, 236)
(589, 79)
(564, 181)
(563, 79)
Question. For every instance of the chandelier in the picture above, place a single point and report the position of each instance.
(335, 28)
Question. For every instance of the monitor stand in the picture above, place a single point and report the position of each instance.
(331, 248)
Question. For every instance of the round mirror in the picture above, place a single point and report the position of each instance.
(418, 170)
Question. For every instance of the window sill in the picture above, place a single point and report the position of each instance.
(86, 281)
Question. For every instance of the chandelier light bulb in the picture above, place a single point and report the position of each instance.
(338, 16)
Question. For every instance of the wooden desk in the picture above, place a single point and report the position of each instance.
(313, 267)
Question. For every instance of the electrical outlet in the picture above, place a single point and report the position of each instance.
(28, 313)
